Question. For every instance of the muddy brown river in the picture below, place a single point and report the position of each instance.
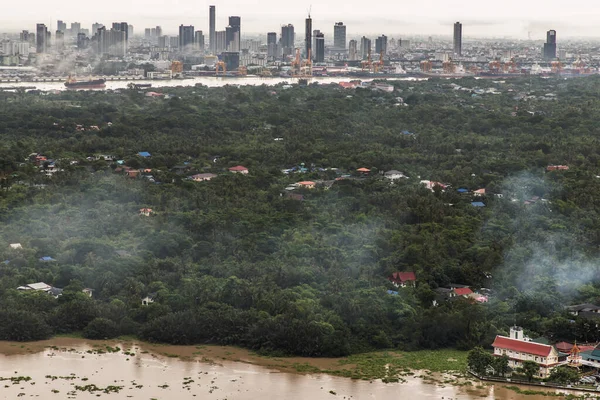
(78, 369)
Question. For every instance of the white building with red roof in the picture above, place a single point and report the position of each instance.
(519, 349)
(403, 279)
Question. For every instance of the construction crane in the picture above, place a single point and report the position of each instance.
(368, 64)
(177, 67)
(426, 66)
(556, 66)
(495, 66)
(448, 66)
(220, 67)
(379, 64)
(579, 65)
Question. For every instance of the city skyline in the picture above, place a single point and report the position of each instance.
(393, 20)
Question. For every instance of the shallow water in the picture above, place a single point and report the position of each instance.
(148, 374)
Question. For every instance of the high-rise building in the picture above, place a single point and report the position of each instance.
(381, 44)
(82, 41)
(122, 26)
(231, 59)
(339, 36)
(147, 34)
(158, 31)
(59, 40)
(550, 45)
(163, 41)
(75, 28)
(112, 42)
(308, 37)
(199, 41)
(129, 31)
(271, 45)
(42, 38)
(353, 50)
(95, 27)
(220, 42)
(365, 48)
(314, 43)
(287, 40)
(234, 33)
(212, 36)
(186, 37)
(320, 48)
(61, 26)
(458, 39)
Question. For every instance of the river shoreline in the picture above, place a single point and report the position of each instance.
(65, 363)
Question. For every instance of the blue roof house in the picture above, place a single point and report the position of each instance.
(477, 204)
(47, 259)
(144, 154)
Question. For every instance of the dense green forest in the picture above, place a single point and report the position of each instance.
(237, 260)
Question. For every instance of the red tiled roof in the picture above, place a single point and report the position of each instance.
(564, 347)
(401, 277)
(464, 291)
(537, 349)
(238, 168)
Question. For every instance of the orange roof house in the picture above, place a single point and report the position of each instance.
(403, 279)
(239, 169)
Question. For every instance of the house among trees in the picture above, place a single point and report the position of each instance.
(149, 299)
(403, 279)
(557, 168)
(15, 246)
(203, 177)
(43, 287)
(239, 169)
(146, 212)
(518, 349)
(307, 184)
(394, 174)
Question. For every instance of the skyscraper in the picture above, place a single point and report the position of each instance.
(199, 41)
(320, 48)
(381, 44)
(308, 37)
(123, 27)
(186, 37)
(458, 39)
(61, 26)
(75, 28)
(42, 38)
(234, 31)
(220, 42)
(339, 36)
(550, 45)
(353, 50)
(95, 27)
(212, 37)
(59, 40)
(271, 45)
(365, 48)
(287, 39)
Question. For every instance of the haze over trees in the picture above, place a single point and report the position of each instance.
(235, 260)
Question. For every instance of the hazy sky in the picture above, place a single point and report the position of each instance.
(506, 18)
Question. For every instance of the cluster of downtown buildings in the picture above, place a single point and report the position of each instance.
(194, 47)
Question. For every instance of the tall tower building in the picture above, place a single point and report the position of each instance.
(308, 37)
(381, 44)
(61, 26)
(287, 39)
(458, 39)
(123, 27)
(199, 41)
(75, 28)
(95, 27)
(339, 36)
(186, 37)
(353, 50)
(365, 48)
(550, 45)
(42, 38)
(271, 45)
(320, 48)
(234, 34)
(212, 37)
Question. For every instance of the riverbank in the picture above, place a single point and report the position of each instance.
(389, 366)
(126, 368)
